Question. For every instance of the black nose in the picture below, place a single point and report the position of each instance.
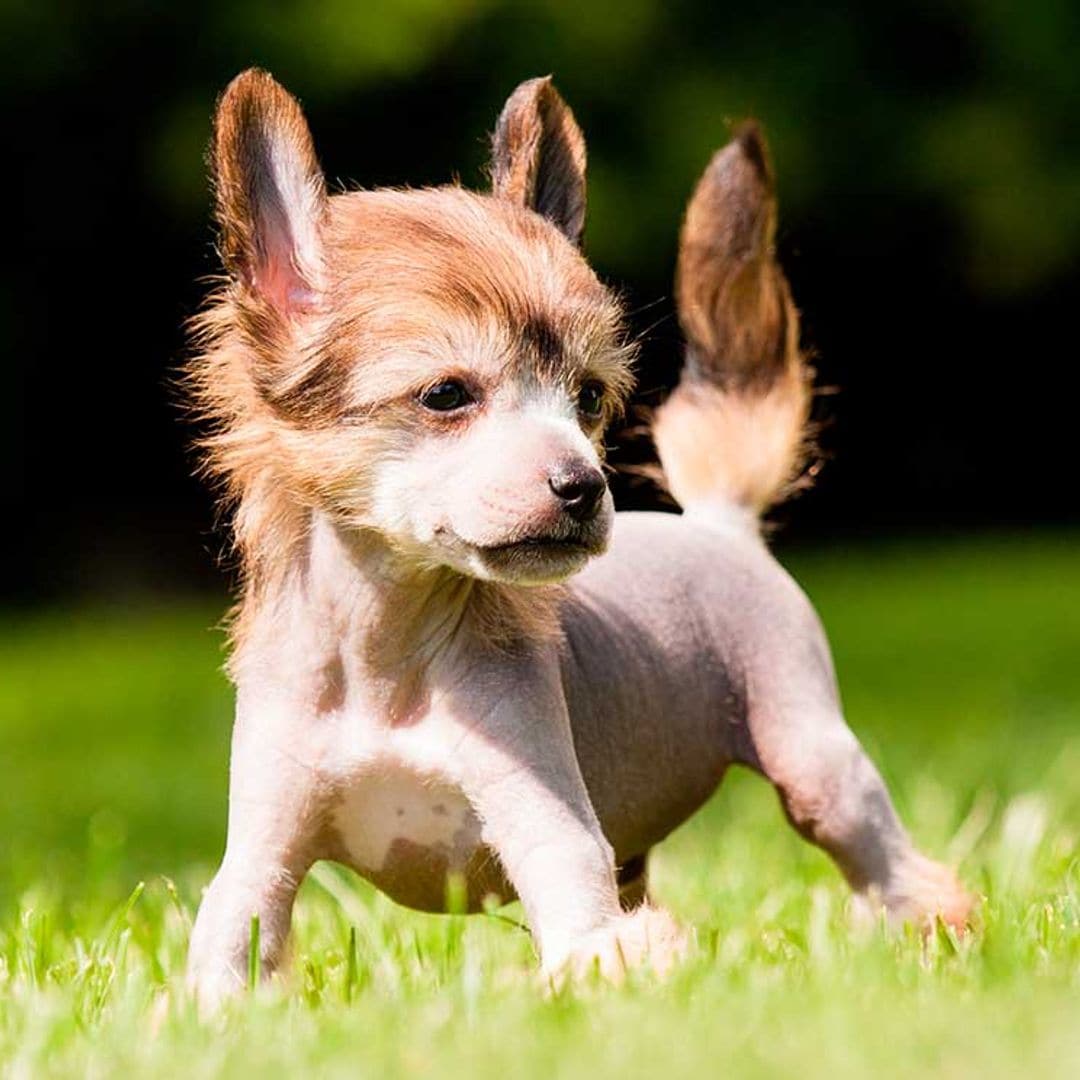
(579, 487)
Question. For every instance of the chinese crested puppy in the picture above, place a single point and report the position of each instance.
(452, 659)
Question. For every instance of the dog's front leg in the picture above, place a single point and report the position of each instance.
(274, 822)
(520, 771)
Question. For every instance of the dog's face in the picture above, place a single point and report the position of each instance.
(435, 365)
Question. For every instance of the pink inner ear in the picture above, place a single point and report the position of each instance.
(276, 276)
(285, 288)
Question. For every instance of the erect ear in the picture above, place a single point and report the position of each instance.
(538, 156)
(271, 195)
(733, 300)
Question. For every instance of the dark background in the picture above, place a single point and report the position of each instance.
(929, 171)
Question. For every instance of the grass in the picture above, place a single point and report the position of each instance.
(961, 671)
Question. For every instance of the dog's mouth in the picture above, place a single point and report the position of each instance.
(540, 545)
(539, 558)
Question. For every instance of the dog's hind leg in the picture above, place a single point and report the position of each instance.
(836, 798)
(732, 439)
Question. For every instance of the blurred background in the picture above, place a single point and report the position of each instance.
(929, 171)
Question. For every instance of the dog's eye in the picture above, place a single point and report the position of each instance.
(446, 396)
(591, 399)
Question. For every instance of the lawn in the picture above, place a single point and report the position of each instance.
(960, 664)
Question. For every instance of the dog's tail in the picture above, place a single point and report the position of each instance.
(734, 433)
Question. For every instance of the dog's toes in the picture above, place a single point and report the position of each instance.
(940, 895)
(646, 938)
(925, 893)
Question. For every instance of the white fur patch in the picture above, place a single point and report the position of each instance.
(400, 805)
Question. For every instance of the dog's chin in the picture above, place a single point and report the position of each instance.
(531, 562)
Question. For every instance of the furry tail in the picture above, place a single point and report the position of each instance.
(735, 431)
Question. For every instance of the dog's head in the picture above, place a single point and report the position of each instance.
(436, 365)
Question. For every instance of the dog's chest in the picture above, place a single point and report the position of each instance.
(408, 833)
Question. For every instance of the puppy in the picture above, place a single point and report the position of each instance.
(452, 660)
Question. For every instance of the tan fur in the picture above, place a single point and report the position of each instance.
(735, 431)
(257, 120)
(538, 156)
(304, 426)
(724, 447)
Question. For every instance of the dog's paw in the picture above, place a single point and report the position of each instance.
(646, 938)
(212, 991)
(923, 893)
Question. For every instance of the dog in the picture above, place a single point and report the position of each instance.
(453, 661)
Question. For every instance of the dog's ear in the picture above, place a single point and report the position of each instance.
(270, 191)
(538, 156)
(733, 300)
